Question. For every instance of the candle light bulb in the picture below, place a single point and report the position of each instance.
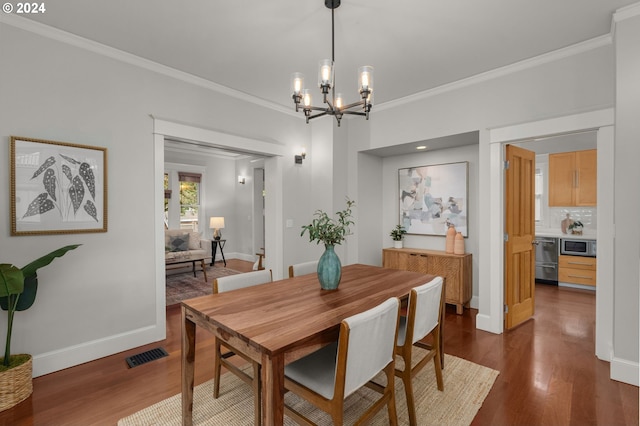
(306, 97)
(297, 83)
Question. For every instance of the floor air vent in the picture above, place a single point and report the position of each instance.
(144, 357)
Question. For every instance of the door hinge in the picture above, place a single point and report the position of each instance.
(506, 165)
(506, 309)
(506, 237)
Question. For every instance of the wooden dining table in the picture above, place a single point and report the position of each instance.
(279, 322)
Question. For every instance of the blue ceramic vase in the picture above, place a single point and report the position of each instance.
(329, 269)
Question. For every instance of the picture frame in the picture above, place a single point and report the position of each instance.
(57, 187)
(433, 197)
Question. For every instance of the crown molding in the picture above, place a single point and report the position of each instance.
(99, 48)
(626, 13)
(555, 55)
(122, 56)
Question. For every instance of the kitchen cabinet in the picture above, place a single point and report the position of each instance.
(573, 178)
(577, 270)
(454, 268)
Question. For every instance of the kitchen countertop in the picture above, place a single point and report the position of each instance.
(557, 233)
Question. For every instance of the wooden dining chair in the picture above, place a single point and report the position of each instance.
(424, 310)
(303, 268)
(365, 347)
(229, 283)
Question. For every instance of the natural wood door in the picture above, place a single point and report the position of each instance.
(586, 177)
(519, 272)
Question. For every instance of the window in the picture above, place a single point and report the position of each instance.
(539, 193)
(189, 200)
(183, 197)
(167, 196)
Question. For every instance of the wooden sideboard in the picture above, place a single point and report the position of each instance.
(455, 268)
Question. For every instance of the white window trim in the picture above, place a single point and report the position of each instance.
(174, 202)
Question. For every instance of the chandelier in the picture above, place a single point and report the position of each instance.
(334, 104)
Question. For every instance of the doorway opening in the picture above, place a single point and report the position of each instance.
(273, 215)
(491, 316)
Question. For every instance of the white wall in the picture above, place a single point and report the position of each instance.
(67, 93)
(627, 200)
(53, 90)
(390, 203)
(577, 83)
(557, 86)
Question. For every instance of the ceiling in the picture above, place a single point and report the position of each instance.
(253, 46)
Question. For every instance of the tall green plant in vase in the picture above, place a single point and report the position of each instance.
(330, 232)
(18, 288)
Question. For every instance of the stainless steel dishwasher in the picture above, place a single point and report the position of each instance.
(547, 260)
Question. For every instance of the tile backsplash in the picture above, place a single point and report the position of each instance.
(587, 215)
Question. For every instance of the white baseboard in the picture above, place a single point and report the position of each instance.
(483, 322)
(50, 362)
(624, 371)
(235, 255)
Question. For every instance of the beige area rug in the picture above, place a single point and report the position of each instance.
(466, 385)
(183, 285)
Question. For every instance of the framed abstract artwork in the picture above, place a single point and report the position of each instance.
(433, 197)
(57, 187)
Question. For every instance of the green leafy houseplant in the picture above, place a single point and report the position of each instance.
(18, 287)
(398, 233)
(330, 231)
(576, 227)
(576, 224)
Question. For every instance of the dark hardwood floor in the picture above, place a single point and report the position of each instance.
(549, 374)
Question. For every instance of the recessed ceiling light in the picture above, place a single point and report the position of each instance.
(421, 147)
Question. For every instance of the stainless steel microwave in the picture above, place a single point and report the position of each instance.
(576, 247)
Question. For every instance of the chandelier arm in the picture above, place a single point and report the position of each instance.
(355, 104)
(328, 102)
(317, 115)
(364, 114)
(314, 108)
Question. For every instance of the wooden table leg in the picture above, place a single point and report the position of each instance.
(204, 270)
(442, 314)
(188, 364)
(272, 375)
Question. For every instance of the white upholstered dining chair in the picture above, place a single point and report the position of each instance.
(229, 283)
(424, 311)
(365, 347)
(303, 268)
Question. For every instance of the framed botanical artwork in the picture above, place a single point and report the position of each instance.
(57, 187)
(433, 197)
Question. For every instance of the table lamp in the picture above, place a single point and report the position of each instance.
(216, 223)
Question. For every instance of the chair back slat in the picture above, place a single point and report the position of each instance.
(426, 308)
(371, 343)
(303, 268)
(238, 281)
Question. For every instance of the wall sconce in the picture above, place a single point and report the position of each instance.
(241, 179)
(299, 157)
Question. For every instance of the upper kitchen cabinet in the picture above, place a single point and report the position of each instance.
(572, 178)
